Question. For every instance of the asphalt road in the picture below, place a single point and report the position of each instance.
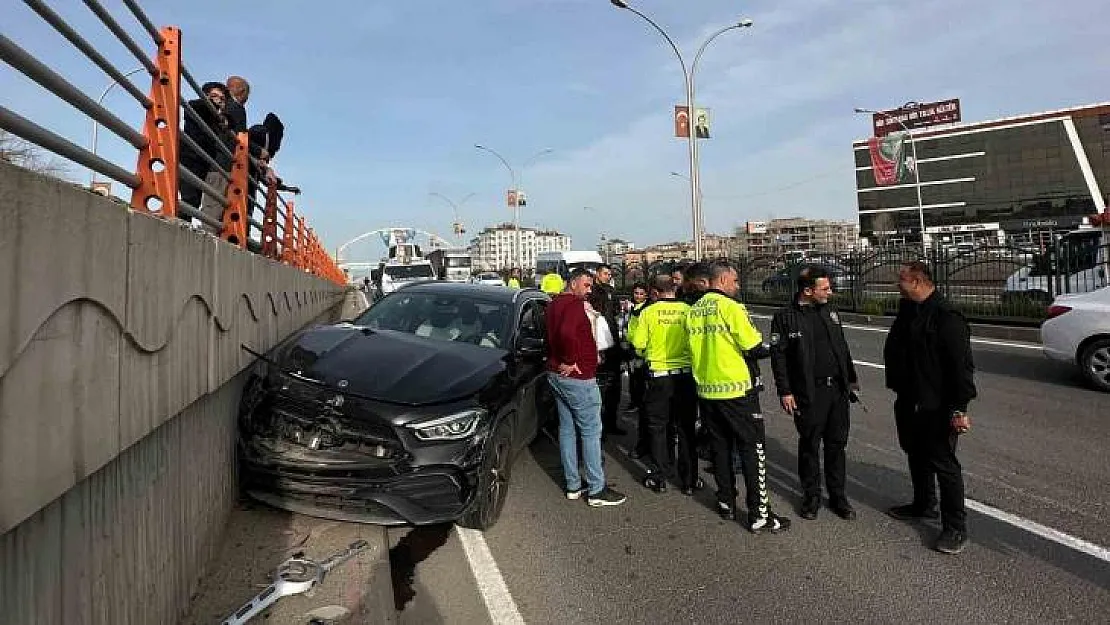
(1036, 451)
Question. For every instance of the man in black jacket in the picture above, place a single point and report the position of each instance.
(930, 368)
(814, 374)
(604, 301)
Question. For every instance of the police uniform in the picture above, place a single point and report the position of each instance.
(513, 283)
(812, 362)
(637, 382)
(721, 334)
(669, 398)
(552, 284)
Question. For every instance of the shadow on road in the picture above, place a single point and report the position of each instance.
(1032, 366)
(414, 548)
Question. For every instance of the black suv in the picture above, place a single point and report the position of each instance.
(410, 414)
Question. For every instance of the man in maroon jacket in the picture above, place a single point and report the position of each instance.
(572, 370)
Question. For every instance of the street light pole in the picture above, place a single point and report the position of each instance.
(692, 149)
(96, 126)
(916, 173)
(457, 226)
(516, 181)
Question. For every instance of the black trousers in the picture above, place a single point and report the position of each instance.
(671, 406)
(737, 425)
(637, 384)
(608, 382)
(930, 445)
(189, 194)
(824, 420)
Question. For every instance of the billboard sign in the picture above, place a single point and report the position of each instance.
(889, 162)
(757, 227)
(682, 122)
(916, 116)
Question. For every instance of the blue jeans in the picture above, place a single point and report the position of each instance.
(579, 403)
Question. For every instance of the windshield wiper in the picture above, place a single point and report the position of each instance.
(289, 372)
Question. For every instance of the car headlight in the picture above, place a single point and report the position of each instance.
(450, 428)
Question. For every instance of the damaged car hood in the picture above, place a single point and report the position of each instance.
(390, 366)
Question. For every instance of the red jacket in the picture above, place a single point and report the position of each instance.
(570, 339)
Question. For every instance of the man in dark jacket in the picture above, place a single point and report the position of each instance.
(814, 374)
(604, 301)
(215, 118)
(929, 366)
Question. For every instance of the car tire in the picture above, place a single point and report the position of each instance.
(1095, 362)
(493, 482)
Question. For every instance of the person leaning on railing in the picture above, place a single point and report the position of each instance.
(265, 140)
(217, 95)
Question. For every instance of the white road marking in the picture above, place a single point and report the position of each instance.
(502, 609)
(1014, 344)
(873, 365)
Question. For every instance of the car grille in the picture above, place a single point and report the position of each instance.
(322, 428)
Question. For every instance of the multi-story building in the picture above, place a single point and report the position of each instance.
(1021, 178)
(796, 235)
(613, 250)
(496, 248)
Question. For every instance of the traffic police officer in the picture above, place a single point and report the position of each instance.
(721, 334)
(670, 398)
(552, 284)
(814, 374)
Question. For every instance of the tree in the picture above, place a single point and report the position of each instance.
(23, 154)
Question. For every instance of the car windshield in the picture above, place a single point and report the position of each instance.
(489, 276)
(457, 261)
(440, 316)
(589, 266)
(408, 272)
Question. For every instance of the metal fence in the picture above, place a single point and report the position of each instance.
(999, 284)
(280, 233)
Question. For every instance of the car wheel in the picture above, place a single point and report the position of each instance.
(493, 483)
(1095, 362)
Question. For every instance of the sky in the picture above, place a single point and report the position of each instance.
(383, 102)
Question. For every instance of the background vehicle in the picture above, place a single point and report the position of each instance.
(565, 262)
(1076, 263)
(410, 414)
(404, 265)
(786, 280)
(451, 265)
(489, 278)
(1077, 331)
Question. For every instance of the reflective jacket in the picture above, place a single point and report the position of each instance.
(660, 335)
(721, 332)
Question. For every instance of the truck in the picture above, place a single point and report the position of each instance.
(563, 263)
(452, 265)
(405, 265)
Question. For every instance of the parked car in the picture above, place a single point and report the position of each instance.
(489, 278)
(411, 413)
(1077, 331)
(786, 280)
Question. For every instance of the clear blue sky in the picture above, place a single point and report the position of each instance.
(383, 101)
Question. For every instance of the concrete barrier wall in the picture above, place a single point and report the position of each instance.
(120, 341)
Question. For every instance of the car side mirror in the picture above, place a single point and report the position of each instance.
(531, 346)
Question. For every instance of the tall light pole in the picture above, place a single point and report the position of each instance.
(516, 182)
(457, 226)
(692, 149)
(96, 126)
(916, 169)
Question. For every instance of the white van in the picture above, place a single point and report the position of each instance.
(563, 263)
(1077, 263)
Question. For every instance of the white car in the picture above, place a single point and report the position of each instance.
(488, 278)
(1078, 331)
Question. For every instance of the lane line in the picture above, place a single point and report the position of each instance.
(499, 603)
(864, 363)
(993, 342)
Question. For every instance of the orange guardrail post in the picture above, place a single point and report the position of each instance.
(269, 224)
(157, 164)
(235, 215)
(302, 241)
(287, 233)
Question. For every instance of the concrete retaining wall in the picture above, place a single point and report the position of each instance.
(120, 349)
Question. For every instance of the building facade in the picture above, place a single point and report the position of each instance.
(495, 248)
(1019, 179)
(796, 235)
(613, 250)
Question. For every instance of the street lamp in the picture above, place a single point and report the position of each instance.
(916, 169)
(96, 126)
(457, 226)
(689, 75)
(517, 181)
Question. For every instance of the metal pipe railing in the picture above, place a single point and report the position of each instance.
(144, 21)
(197, 183)
(30, 131)
(86, 48)
(207, 158)
(122, 35)
(195, 213)
(31, 67)
(192, 114)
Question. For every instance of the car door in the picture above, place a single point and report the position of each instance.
(532, 391)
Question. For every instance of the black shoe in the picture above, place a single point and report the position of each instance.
(689, 490)
(843, 509)
(951, 541)
(911, 512)
(607, 497)
(726, 511)
(655, 483)
(810, 506)
(773, 523)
